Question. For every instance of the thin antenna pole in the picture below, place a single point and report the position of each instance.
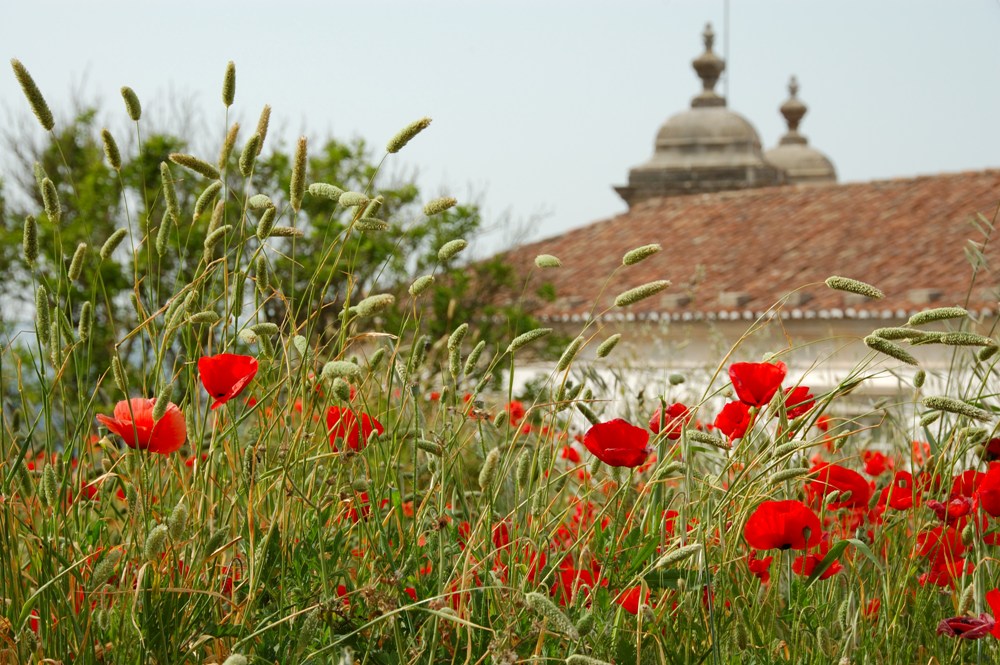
(725, 49)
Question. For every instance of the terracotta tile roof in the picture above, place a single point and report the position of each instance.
(734, 254)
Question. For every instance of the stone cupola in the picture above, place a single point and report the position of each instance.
(707, 148)
(800, 162)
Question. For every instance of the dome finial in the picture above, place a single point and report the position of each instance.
(708, 35)
(708, 66)
(793, 110)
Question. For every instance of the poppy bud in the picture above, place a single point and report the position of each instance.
(377, 357)
(132, 105)
(250, 464)
(104, 569)
(340, 368)
(156, 543)
(500, 421)
(676, 379)
(177, 523)
(585, 624)
(430, 447)
(342, 389)
(987, 352)
(215, 541)
(227, 145)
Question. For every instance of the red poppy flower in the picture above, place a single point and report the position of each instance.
(953, 511)
(993, 600)
(831, 477)
(967, 628)
(782, 525)
(515, 412)
(133, 422)
(570, 453)
(670, 420)
(344, 424)
(966, 483)
(876, 463)
(761, 568)
(733, 420)
(940, 545)
(572, 581)
(630, 599)
(618, 443)
(991, 451)
(988, 492)
(226, 375)
(756, 383)
(805, 565)
(798, 400)
(901, 494)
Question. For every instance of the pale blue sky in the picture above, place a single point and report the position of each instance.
(541, 106)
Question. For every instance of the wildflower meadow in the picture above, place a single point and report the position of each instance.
(228, 438)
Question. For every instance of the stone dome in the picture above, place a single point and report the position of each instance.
(707, 148)
(793, 154)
